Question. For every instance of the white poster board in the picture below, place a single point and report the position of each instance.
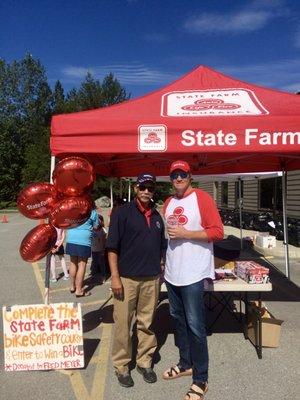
(42, 337)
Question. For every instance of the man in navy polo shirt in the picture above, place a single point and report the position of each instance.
(136, 245)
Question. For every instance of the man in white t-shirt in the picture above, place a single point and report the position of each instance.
(193, 224)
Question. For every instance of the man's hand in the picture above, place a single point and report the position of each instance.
(177, 232)
(117, 287)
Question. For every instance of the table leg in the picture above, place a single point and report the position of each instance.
(240, 301)
(259, 349)
(246, 314)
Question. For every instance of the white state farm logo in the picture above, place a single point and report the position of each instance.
(211, 103)
(152, 138)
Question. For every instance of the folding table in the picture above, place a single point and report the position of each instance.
(242, 288)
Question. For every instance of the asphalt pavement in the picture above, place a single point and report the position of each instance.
(235, 371)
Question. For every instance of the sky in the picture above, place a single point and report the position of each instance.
(147, 44)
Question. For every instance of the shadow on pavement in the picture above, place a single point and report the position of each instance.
(93, 319)
(90, 346)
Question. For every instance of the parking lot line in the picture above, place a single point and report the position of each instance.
(78, 386)
(101, 360)
(39, 278)
(98, 387)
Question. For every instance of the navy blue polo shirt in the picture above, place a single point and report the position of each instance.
(138, 245)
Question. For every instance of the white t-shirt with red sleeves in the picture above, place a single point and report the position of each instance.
(189, 261)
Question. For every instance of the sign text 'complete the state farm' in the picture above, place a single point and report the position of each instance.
(252, 135)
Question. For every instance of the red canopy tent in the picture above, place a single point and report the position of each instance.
(217, 123)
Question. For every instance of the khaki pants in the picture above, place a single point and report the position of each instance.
(140, 295)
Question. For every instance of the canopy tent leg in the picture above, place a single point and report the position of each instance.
(47, 278)
(129, 189)
(285, 230)
(52, 166)
(240, 211)
(111, 194)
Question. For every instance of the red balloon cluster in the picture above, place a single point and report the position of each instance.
(67, 204)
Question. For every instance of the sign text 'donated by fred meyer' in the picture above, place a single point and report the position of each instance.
(42, 337)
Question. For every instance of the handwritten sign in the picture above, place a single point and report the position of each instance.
(42, 337)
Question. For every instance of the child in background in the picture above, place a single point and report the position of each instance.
(98, 250)
(58, 250)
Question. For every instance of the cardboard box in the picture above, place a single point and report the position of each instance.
(271, 328)
(252, 272)
(265, 241)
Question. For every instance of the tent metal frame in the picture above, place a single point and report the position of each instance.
(239, 177)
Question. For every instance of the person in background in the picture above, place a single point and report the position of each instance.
(118, 202)
(136, 244)
(79, 241)
(98, 251)
(58, 250)
(193, 224)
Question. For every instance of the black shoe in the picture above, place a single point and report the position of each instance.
(125, 380)
(148, 374)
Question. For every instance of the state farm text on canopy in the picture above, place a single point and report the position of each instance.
(192, 138)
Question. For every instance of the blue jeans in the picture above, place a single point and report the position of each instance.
(188, 310)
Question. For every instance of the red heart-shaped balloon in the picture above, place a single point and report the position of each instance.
(71, 212)
(73, 176)
(37, 200)
(38, 242)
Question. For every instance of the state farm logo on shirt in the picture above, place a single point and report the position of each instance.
(211, 103)
(152, 138)
(177, 218)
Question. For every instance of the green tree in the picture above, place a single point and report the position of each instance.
(10, 166)
(72, 101)
(4, 103)
(26, 107)
(112, 91)
(163, 191)
(90, 93)
(102, 186)
(37, 160)
(59, 101)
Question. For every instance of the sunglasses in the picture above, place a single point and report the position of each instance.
(182, 174)
(150, 188)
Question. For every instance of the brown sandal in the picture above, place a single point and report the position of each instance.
(176, 372)
(84, 294)
(200, 392)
